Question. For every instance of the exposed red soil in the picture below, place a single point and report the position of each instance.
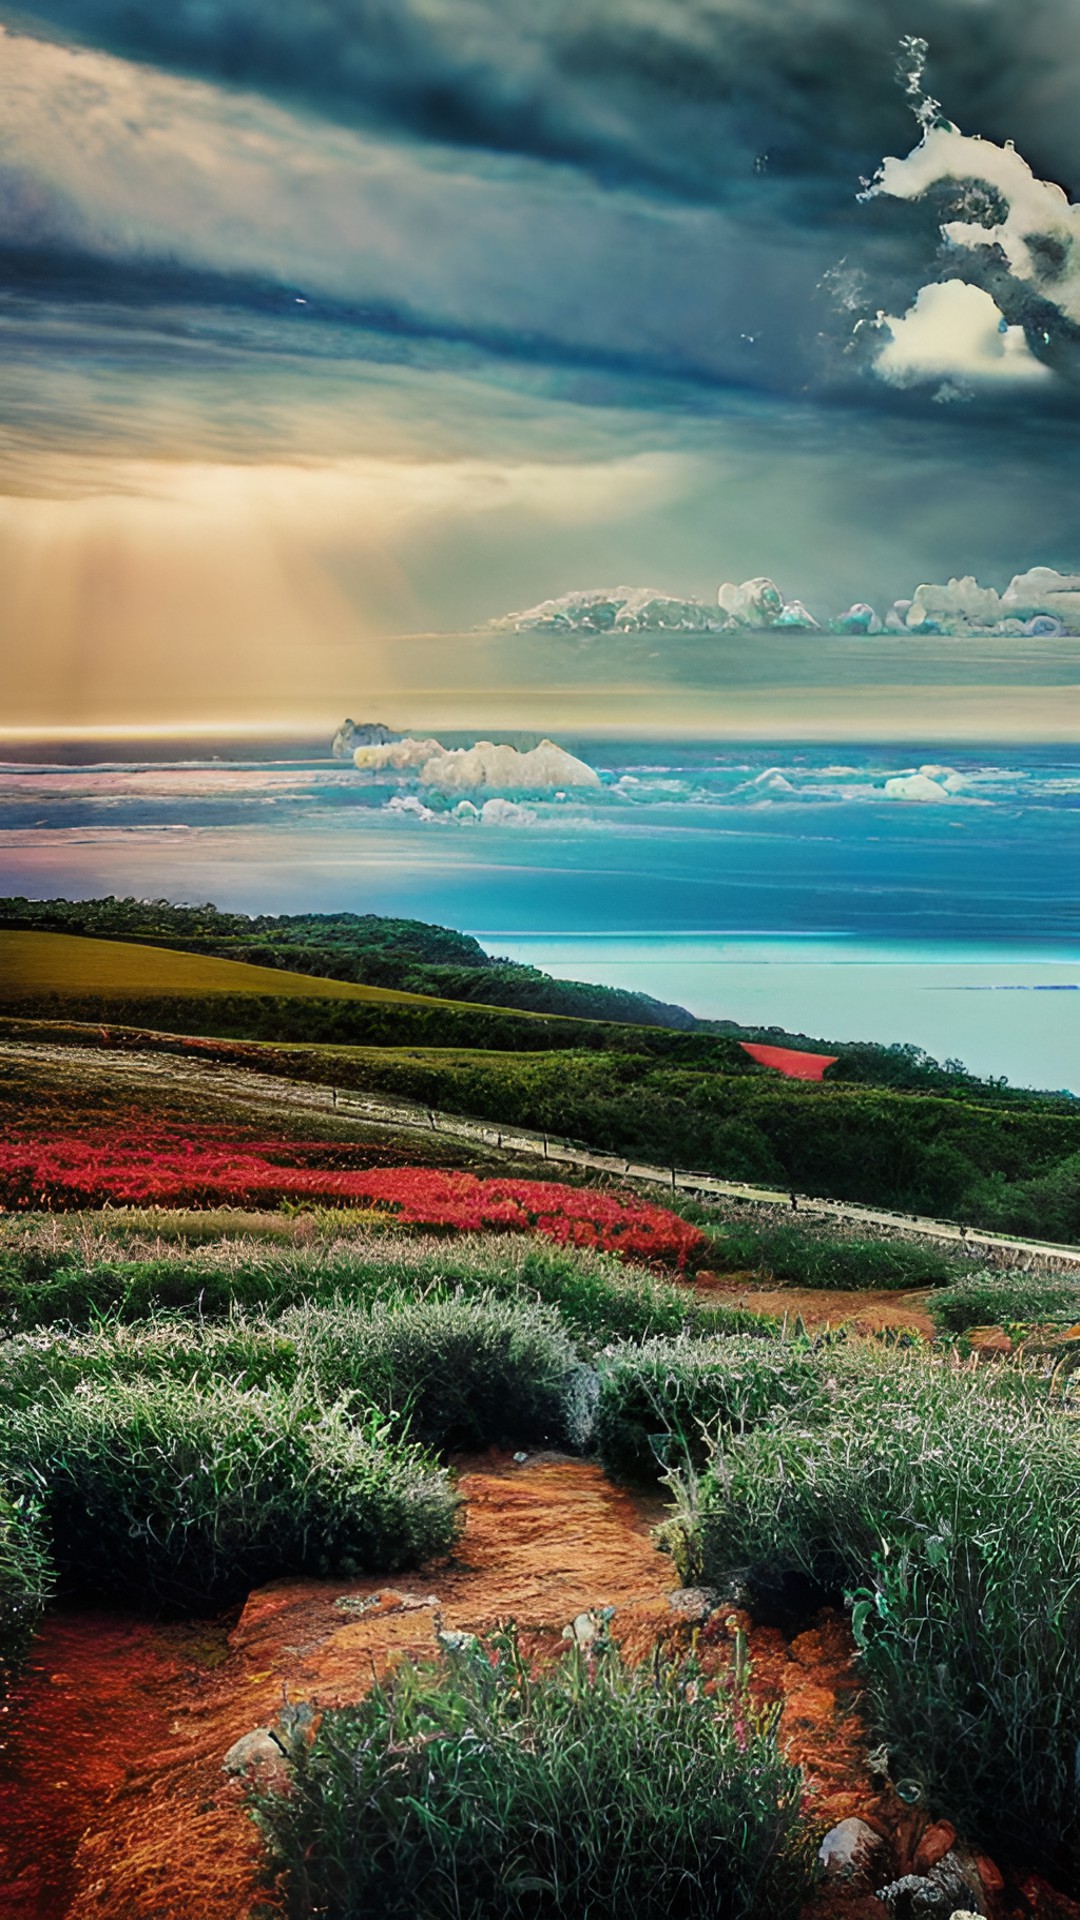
(865, 1311)
(112, 1798)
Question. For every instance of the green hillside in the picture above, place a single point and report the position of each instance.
(34, 964)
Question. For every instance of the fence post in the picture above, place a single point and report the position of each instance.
(433, 1120)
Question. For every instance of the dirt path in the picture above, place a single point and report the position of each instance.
(113, 1803)
(408, 1116)
(865, 1311)
(112, 1798)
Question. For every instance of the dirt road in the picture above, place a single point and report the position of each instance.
(149, 1069)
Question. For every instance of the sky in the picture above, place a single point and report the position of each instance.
(336, 321)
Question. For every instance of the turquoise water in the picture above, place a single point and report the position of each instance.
(774, 885)
(999, 1010)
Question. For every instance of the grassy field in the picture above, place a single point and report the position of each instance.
(1011, 1169)
(65, 963)
(205, 1399)
(201, 1401)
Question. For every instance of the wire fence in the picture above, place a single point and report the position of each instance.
(844, 1219)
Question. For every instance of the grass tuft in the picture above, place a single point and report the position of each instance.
(26, 1578)
(659, 1401)
(807, 1257)
(76, 1281)
(947, 1503)
(1003, 1300)
(190, 1497)
(478, 1789)
(461, 1371)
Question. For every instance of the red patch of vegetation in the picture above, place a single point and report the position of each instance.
(203, 1166)
(788, 1061)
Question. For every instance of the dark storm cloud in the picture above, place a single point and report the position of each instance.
(694, 97)
(401, 167)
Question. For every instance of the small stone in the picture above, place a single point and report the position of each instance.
(589, 1626)
(520, 1459)
(850, 1851)
(360, 1603)
(452, 1641)
(958, 1877)
(254, 1752)
(936, 1842)
(692, 1603)
(914, 1897)
(386, 1601)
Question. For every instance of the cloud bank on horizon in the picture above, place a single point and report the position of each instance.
(325, 321)
(1040, 603)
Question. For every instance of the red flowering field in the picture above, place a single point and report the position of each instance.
(206, 1166)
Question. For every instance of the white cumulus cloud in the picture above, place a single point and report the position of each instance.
(955, 331)
(1038, 226)
(542, 769)
(916, 786)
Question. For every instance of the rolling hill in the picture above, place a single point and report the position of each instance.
(70, 964)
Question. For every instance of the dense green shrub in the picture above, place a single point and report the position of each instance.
(191, 1497)
(598, 1297)
(806, 1257)
(927, 1153)
(55, 1360)
(25, 1577)
(999, 1299)
(464, 1371)
(949, 1504)
(659, 1401)
(479, 1791)
(1046, 1205)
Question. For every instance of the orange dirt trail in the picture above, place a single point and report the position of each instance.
(113, 1805)
(865, 1311)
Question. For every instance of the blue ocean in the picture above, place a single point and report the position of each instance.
(849, 892)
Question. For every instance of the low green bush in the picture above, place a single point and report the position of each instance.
(601, 1300)
(189, 1498)
(25, 1578)
(78, 1293)
(1000, 1299)
(239, 1352)
(463, 1371)
(947, 1503)
(659, 1401)
(480, 1791)
(802, 1257)
(598, 1297)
